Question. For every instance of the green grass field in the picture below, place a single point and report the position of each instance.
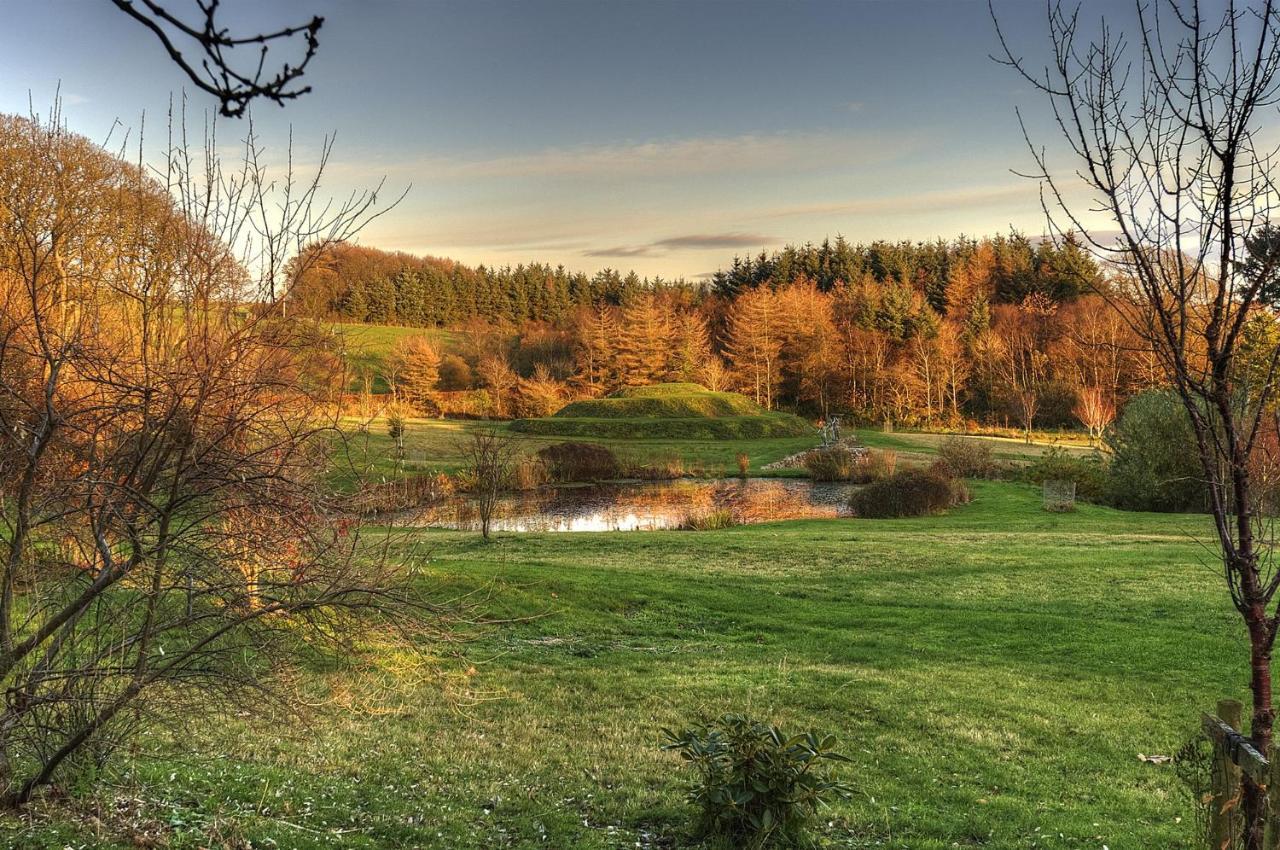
(993, 674)
(435, 445)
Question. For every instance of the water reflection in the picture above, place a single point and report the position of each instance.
(646, 506)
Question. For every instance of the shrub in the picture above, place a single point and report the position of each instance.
(1154, 460)
(756, 787)
(713, 520)
(579, 462)
(911, 492)
(1057, 464)
(744, 464)
(455, 374)
(967, 457)
(831, 464)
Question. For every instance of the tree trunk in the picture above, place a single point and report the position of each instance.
(1254, 802)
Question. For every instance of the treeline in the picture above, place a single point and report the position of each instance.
(356, 284)
(1000, 331)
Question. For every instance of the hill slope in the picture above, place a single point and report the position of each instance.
(667, 411)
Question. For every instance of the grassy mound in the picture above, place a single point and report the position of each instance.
(667, 411)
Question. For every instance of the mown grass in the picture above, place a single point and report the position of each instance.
(922, 447)
(993, 673)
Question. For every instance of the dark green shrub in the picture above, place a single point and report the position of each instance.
(756, 787)
(832, 464)
(911, 492)
(967, 457)
(579, 462)
(1155, 464)
(1089, 472)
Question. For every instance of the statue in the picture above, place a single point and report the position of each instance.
(831, 432)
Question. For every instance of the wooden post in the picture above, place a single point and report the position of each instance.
(1271, 839)
(1224, 809)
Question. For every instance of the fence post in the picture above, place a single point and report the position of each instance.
(1271, 839)
(1223, 810)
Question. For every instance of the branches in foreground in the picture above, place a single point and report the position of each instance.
(214, 72)
(167, 541)
(1166, 128)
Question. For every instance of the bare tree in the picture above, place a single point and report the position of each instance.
(165, 535)
(488, 457)
(214, 72)
(1165, 131)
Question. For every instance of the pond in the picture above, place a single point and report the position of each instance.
(645, 506)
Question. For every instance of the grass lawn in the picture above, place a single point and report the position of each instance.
(993, 674)
(920, 446)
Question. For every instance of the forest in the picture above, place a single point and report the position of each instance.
(1004, 330)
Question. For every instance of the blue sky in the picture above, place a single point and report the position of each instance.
(662, 136)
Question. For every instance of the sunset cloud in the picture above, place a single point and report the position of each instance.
(692, 241)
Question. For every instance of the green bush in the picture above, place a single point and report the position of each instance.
(967, 457)
(1089, 472)
(911, 492)
(1155, 463)
(579, 462)
(832, 464)
(756, 787)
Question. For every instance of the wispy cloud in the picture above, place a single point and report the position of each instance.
(651, 159)
(692, 241)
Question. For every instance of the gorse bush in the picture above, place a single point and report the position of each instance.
(756, 787)
(911, 492)
(1155, 463)
(1089, 472)
(967, 457)
(579, 462)
(831, 464)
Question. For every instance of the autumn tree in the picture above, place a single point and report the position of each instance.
(165, 545)
(497, 376)
(595, 351)
(414, 366)
(644, 341)
(754, 343)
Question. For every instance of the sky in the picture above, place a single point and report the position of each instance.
(663, 136)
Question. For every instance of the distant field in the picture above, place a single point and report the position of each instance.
(992, 673)
(922, 446)
(367, 347)
(434, 445)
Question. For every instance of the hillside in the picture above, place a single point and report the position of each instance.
(662, 411)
